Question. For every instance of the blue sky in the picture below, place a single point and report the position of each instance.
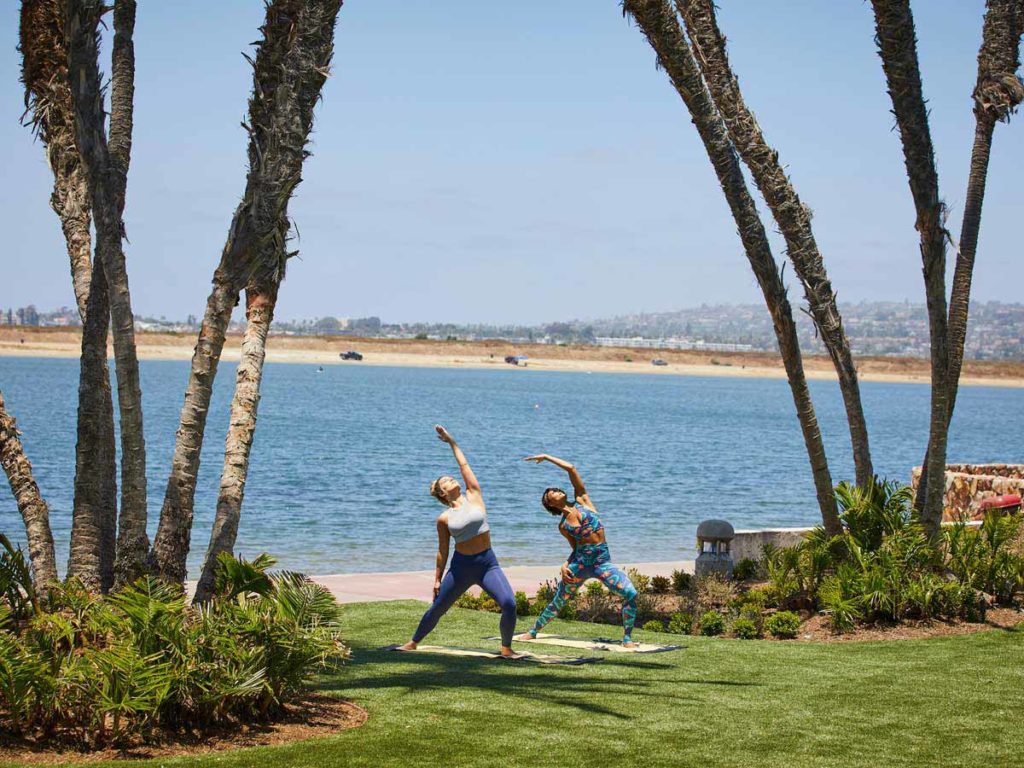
(519, 162)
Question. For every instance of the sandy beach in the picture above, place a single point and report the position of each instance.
(324, 350)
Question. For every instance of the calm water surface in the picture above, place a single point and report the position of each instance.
(343, 459)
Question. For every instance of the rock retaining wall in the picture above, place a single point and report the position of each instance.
(968, 484)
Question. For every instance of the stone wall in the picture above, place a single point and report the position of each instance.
(968, 484)
(751, 543)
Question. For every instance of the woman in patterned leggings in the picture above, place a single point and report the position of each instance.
(590, 559)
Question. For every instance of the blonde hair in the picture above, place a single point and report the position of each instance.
(436, 492)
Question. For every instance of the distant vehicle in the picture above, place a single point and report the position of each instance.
(350, 355)
(659, 361)
(516, 359)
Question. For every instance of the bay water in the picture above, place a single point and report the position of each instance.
(343, 458)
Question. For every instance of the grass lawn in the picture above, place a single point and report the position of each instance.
(956, 701)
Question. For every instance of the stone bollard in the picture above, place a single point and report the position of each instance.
(713, 541)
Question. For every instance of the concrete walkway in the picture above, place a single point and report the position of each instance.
(418, 585)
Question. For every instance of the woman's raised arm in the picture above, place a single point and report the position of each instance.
(574, 477)
(472, 484)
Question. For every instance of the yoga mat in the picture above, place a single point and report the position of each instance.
(598, 644)
(533, 658)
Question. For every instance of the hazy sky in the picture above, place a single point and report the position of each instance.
(495, 162)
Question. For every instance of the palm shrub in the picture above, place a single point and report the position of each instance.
(660, 585)
(101, 670)
(681, 582)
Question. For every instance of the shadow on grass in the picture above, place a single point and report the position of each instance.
(571, 687)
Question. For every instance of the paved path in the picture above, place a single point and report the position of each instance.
(417, 585)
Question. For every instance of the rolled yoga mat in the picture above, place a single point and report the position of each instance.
(533, 658)
(598, 644)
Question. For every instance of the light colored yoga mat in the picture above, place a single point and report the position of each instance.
(598, 644)
(534, 658)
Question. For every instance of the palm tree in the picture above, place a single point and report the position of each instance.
(897, 46)
(48, 101)
(996, 96)
(660, 25)
(791, 215)
(289, 70)
(106, 174)
(33, 509)
(259, 313)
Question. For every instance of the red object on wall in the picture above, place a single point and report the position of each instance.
(1006, 501)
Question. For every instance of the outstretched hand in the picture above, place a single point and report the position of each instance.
(539, 458)
(442, 434)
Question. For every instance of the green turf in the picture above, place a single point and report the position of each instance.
(955, 701)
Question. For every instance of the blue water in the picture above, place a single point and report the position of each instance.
(343, 459)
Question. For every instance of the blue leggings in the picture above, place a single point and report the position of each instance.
(465, 571)
(592, 561)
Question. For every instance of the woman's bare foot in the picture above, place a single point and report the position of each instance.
(525, 636)
(630, 644)
(508, 653)
(410, 646)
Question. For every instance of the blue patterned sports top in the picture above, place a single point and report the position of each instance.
(590, 524)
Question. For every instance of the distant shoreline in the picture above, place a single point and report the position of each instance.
(324, 350)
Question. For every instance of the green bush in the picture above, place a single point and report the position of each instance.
(744, 628)
(680, 623)
(546, 593)
(594, 589)
(523, 607)
(95, 671)
(681, 582)
(784, 624)
(653, 626)
(641, 582)
(712, 623)
(713, 591)
(466, 600)
(660, 585)
(763, 597)
(744, 569)
(569, 611)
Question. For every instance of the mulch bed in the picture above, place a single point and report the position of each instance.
(816, 628)
(315, 717)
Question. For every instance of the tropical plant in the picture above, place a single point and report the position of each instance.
(681, 582)
(745, 569)
(660, 585)
(653, 626)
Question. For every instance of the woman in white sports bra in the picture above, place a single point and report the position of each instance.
(474, 562)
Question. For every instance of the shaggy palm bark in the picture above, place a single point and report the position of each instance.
(106, 173)
(792, 216)
(897, 45)
(657, 20)
(996, 96)
(259, 313)
(34, 511)
(290, 67)
(48, 101)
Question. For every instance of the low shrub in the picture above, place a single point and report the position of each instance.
(523, 607)
(546, 593)
(641, 582)
(763, 597)
(466, 600)
(783, 624)
(569, 611)
(745, 569)
(712, 591)
(712, 623)
(660, 585)
(94, 671)
(745, 628)
(597, 604)
(681, 582)
(653, 626)
(680, 623)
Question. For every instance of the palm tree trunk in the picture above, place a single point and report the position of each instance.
(48, 96)
(33, 509)
(94, 521)
(997, 94)
(289, 70)
(259, 313)
(897, 44)
(658, 21)
(171, 545)
(106, 176)
(790, 214)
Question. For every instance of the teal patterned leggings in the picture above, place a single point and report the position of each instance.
(592, 561)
